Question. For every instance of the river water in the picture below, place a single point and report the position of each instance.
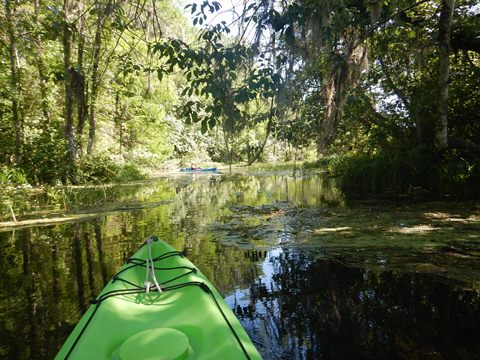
(309, 274)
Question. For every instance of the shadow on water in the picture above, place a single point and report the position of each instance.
(307, 307)
(308, 275)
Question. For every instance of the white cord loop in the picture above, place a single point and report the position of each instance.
(149, 264)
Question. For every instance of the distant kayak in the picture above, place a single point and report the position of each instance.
(158, 306)
(212, 169)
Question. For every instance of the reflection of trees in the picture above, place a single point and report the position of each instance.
(52, 278)
(29, 287)
(44, 288)
(322, 309)
(78, 263)
(47, 283)
(101, 257)
(306, 309)
(91, 270)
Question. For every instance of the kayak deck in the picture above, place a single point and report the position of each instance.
(187, 320)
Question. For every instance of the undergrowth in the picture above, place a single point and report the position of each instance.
(12, 176)
(92, 170)
(104, 170)
(407, 171)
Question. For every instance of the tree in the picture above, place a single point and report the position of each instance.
(40, 62)
(55, 58)
(444, 33)
(103, 12)
(10, 7)
(70, 11)
(222, 79)
(322, 38)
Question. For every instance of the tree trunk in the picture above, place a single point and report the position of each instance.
(12, 49)
(80, 88)
(119, 122)
(69, 92)
(344, 74)
(227, 140)
(260, 150)
(334, 95)
(41, 68)
(269, 126)
(445, 28)
(94, 81)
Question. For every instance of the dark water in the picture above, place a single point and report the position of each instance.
(310, 275)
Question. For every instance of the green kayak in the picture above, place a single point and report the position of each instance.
(158, 306)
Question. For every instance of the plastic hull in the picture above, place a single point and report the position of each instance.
(188, 320)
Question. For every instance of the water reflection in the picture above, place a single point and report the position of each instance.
(248, 235)
(304, 307)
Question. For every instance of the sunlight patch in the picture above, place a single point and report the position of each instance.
(415, 229)
(451, 217)
(330, 230)
(438, 215)
(475, 217)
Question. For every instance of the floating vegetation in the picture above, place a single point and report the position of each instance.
(402, 237)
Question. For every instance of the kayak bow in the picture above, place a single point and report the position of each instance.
(158, 306)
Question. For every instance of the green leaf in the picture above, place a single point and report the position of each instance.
(212, 122)
(204, 127)
(195, 117)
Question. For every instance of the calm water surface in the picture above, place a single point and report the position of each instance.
(309, 274)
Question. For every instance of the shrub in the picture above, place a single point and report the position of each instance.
(460, 176)
(96, 168)
(100, 168)
(384, 172)
(129, 172)
(402, 170)
(11, 176)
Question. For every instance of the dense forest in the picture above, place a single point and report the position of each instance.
(385, 95)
